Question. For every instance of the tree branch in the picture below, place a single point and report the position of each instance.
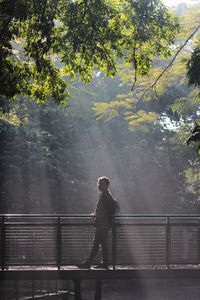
(147, 91)
(135, 69)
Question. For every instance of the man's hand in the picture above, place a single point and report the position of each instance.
(93, 218)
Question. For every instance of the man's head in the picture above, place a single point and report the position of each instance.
(103, 183)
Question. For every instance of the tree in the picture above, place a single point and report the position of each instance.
(193, 67)
(63, 39)
(193, 62)
(156, 104)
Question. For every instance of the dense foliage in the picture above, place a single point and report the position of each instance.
(194, 67)
(65, 38)
(51, 156)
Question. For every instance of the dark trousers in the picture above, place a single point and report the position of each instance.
(100, 238)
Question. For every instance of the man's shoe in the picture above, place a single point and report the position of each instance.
(84, 265)
(101, 266)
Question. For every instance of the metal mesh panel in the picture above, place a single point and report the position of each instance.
(141, 244)
(30, 244)
(77, 241)
(139, 240)
(185, 247)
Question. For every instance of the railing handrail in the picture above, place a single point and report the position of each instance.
(118, 216)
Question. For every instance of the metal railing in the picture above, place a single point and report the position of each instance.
(61, 240)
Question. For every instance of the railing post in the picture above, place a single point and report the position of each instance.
(59, 243)
(77, 289)
(98, 290)
(114, 244)
(168, 243)
(3, 243)
(33, 289)
(16, 290)
(56, 287)
(198, 242)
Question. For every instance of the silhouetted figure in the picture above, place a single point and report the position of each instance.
(102, 219)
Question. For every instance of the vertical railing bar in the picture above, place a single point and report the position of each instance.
(77, 289)
(3, 243)
(114, 244)
(17, 289)
(68, 289)
(198, 241)
(168, 242)
(56, 287)
(58, 243)
(48, 287)
(98, 290)
(33, 289)
(170, 251)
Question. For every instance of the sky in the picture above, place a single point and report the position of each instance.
(175, 2)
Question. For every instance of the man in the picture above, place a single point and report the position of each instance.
(102, 219)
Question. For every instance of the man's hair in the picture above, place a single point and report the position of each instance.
(106, 180)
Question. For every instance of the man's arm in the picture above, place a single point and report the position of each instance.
(93, 215)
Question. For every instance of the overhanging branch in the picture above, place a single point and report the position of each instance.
(147, 91)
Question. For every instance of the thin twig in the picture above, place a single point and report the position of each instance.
(135, 69)
(146, 92)
(135, 80)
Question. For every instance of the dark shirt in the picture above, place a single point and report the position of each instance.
(105, 210)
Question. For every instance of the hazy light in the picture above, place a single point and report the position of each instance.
(176, 2)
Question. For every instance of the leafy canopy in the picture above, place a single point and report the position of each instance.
(193, 67)
(171, 100)
(45, 44)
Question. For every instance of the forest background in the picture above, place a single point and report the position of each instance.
(51, 155)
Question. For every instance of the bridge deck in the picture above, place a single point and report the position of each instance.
(46, 247)
(138, 244)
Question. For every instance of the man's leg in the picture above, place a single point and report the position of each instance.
(104, 247)
(103, 234)
(95, 246)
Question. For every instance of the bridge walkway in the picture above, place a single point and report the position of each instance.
(37, 247)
